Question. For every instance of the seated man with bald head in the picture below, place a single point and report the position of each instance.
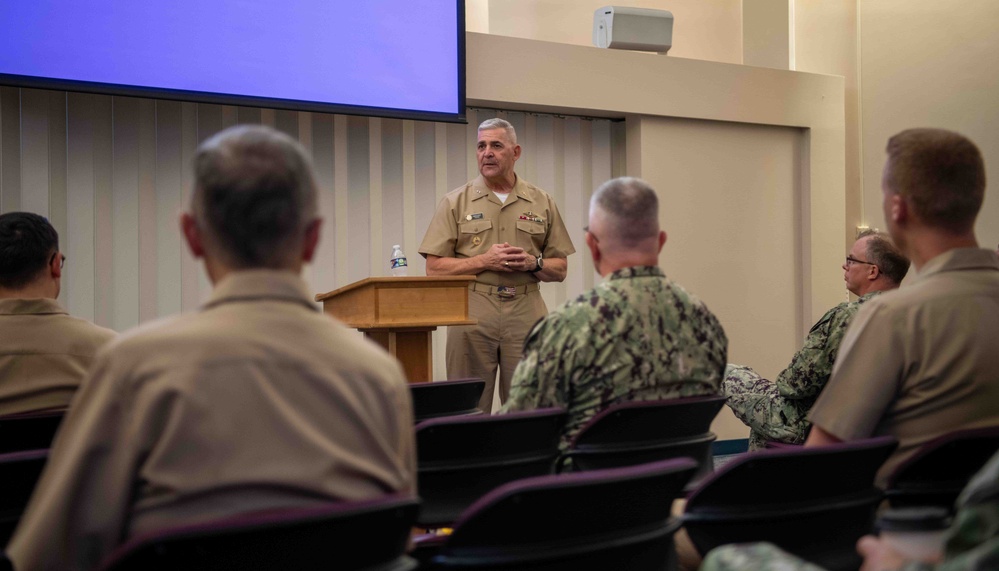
(636, 336)
(255, 402)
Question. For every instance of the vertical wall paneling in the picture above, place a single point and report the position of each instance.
(359, 214)
(103, 157)
(125, 213)
(79, 242)
(147, 207)
(393, 210)
(324, 264)
(112, 174)
(342, 188)
(376, 247)
(55, 102)
(10, 149)
(34, 151)
(190, 268)
(168, 189)
(601, 170)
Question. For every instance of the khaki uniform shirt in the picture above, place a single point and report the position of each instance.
(921, 361)
(44, 354)
(470, 219)
(258, 401)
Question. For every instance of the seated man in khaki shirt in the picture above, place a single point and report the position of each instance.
(256, 402)
(44, 353)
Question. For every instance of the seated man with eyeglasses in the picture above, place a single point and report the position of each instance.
(44, 352)
(776, 410)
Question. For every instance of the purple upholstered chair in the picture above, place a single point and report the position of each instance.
(617, 518)
(446, 398)
(813, 502)
(19, 472)
(369, 535)
(459, 459)
(936, 474)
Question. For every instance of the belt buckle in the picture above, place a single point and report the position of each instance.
(506, 292)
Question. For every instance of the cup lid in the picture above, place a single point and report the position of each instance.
(914, 519)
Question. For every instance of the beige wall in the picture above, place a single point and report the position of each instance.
(702, 29)
(930, 64)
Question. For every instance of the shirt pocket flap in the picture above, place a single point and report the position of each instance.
(531, 227)
(475, 226)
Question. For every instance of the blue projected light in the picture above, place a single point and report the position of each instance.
(392, 58)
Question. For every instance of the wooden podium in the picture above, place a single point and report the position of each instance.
(399, 313)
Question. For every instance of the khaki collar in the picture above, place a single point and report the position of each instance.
(31, 306)
(520, 191)
(958, 259)
(260, 285)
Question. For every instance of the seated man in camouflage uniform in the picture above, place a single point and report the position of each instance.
(776, 410)
(636, 336)
(972, 542)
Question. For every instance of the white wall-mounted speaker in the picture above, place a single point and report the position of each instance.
(642, 29)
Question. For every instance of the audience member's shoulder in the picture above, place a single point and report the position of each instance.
(90, 332)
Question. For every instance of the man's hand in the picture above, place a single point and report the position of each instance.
(878, 555)
(506, 258)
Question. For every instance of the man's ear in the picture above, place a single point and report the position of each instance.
(311, 242)
(873, 272)
(662, 240)
(516, 152)
(898, 208)
(192, 235)
(594, 247)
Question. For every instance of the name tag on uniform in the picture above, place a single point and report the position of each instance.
(473, 216)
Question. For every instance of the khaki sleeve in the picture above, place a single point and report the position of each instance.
(865, 378)
(557, 243)
(442, 233)
(77, 513)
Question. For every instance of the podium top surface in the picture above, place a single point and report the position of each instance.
(399, 282)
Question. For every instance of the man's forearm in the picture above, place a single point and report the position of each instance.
(554, 271)
(443, 266)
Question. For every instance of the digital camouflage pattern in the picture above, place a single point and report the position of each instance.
(972, 542)
(777, 410)
(636, 336)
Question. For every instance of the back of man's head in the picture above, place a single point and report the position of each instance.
(27, 244)
(627, 209)
(940, 173)
(891, 263)
(254, 197)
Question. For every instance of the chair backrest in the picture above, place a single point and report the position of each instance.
(645, 431)
(19, 472)
(814, 502)
(369, 535)
(605, 519)
(446, 398)
(459, 459)
(941, 468)
(29, 431)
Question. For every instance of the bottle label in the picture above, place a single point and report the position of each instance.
(399, 263)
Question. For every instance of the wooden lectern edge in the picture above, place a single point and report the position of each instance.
(392, 281)
(406, 326)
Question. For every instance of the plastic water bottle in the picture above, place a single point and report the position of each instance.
(397, 263)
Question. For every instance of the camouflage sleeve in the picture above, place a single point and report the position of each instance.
(756, 402)
(537, 382)
(811, 366)
(754, 557)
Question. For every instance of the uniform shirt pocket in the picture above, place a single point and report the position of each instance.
(472, 235)
(531, 236)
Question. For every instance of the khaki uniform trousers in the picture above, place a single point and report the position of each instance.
(497, 340)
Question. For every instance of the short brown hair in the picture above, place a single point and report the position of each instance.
(941, 173)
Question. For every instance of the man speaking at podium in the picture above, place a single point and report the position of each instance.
(510, 235)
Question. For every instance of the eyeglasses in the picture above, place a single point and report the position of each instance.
(587, 230)
(62, 261)
(852, 260)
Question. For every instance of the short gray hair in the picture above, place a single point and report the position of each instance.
(497, 123)
(631, 207)
(881, 251)
(254, 195)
